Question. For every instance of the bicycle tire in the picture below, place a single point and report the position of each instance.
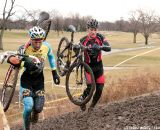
(63, 43)
(72, 98)
(6, 97)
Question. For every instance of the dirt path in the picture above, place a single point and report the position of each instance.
(134, 113)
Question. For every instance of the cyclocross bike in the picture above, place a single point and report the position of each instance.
(70, 63)
(10, 80)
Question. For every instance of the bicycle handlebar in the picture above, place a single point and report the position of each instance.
(80, 46)
(6, 55)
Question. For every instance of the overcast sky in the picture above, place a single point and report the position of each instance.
(103, 10)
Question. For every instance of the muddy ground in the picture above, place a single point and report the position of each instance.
(139, 113)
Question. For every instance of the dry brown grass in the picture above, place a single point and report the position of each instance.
(3, 121)
(128, 83)
(120, 84)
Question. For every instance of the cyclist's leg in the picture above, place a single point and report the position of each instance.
(84, 95)
(97, 95)
(28, 106)
(39, 100)
(87, 90)
(99, 88)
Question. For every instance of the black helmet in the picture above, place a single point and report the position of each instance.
(92, 23)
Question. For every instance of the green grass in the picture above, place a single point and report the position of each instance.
(116, 39)
(142, 60)
(15, 34)
(13, 39)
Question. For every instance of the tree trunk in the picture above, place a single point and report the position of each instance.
(1, 36)
(58, 33)
(146, 40)
(134, 37)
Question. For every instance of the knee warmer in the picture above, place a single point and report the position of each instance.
(26, 93)
(39, 101)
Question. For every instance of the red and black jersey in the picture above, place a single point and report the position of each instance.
(92, 56)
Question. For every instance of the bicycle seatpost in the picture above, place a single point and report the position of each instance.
(72, 29)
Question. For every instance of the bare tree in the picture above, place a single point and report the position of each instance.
(57, 21)
(6, 15)
(76, 20)
(148, 23)
(120, 24)
(33, 15)
(134, 24)
(58, 24)
(83, 22)
(109, 26)
(67, 22)
(158, 25)
(21, 20)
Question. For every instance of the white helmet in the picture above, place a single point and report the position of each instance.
(36, 33)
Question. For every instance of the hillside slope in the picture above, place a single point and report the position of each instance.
(138, 112)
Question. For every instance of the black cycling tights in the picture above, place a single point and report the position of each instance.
(97, 95)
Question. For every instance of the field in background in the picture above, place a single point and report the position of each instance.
(122, 84)
(135, 77)
(12, 39)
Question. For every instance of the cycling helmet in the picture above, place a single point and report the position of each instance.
(36, 33)
(92, 23)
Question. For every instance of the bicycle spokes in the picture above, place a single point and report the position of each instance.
(76, 82)
(63, 52)
(9, 87)
(79, 73)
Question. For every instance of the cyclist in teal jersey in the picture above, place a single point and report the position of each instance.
(32, 79)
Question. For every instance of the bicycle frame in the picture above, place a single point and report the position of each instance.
(78, 60)
(74, 68)
(10, 69)
(11, 85)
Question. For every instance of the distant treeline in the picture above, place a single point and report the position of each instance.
(60, 23)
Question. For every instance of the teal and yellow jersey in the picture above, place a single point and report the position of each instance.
(42, 54)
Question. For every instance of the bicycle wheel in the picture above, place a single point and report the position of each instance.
(9, 87)
(77, 81)
(62, 56)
